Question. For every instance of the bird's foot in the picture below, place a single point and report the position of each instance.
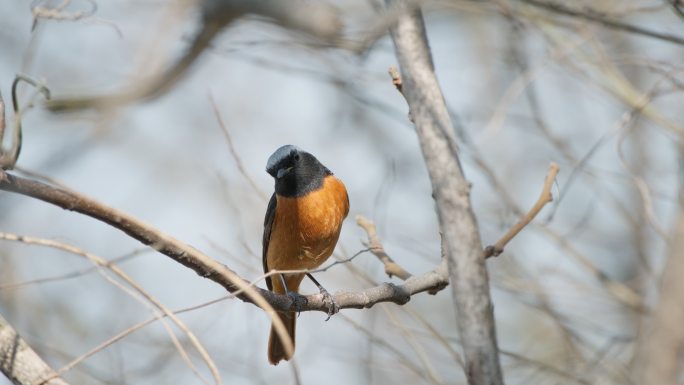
(329, 301)
(298, 301)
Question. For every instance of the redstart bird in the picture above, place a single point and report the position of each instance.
(302, 225)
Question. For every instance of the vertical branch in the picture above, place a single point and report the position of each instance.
(20, 363)
(462, 245)
(658, 355)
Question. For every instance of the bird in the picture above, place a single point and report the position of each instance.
(301, 228)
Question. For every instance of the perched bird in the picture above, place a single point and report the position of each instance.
(302, 225)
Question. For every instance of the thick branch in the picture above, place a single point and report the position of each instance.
(20, 363)
(660, 348)
(461, 239)
(206, 267)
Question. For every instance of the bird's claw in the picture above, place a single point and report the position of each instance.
(329, 301)
(298, 301)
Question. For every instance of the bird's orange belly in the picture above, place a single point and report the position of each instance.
(306, 229)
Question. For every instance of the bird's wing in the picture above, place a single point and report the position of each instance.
(268, 225)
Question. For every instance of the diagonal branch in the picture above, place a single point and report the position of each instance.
(544, 198)
(20, 363)
(375, 246)
(320, 20)
(207, 267)
(605, 20)
(462, 247)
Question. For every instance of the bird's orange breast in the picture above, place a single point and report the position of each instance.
(305, 229)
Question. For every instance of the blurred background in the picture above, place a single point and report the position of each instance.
(526, 85)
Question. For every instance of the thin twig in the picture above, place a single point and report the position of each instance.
(320, 21)
(58, 12)
(545, 197)
(146, 297)
(375, 246)
(396, 78)
(233, 152)
(606, 21)
(8, 159)
(72, 274)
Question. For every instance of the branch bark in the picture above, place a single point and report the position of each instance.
(661, 346)
(463, 248)
(21, 364)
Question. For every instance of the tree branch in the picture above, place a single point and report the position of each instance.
(544, 198)
(320, 20)
(206, 267)
(660, 347)
(605, 20)
(462, 247)
(20, 363)
(375, 246)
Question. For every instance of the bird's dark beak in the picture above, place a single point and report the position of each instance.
(282, 172)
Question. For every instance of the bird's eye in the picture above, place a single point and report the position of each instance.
(296, 157)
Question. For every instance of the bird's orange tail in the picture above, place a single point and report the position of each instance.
(276, 348)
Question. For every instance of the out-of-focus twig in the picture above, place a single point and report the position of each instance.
(602, 19)
(137, 293)
(233, 152)
(659, 350)
(320, 20)
(545, 197)
(8, 158)
(391, 268)
(43, 10)
(72, 274)
(678, 7)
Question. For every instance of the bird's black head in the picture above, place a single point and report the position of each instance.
(296, 172)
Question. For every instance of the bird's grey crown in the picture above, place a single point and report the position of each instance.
(280, 154)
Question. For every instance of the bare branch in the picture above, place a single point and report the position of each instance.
(20, 363)
(544, 198)
(320, 20)
(8, 159)
(206, 267)
(604, 20)
(391, 268)
(462, 247)
(233, 152)
(660, 347)
(44, 10)
(137, 292)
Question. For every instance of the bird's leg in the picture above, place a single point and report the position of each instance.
(298, 300)
(328, 299)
